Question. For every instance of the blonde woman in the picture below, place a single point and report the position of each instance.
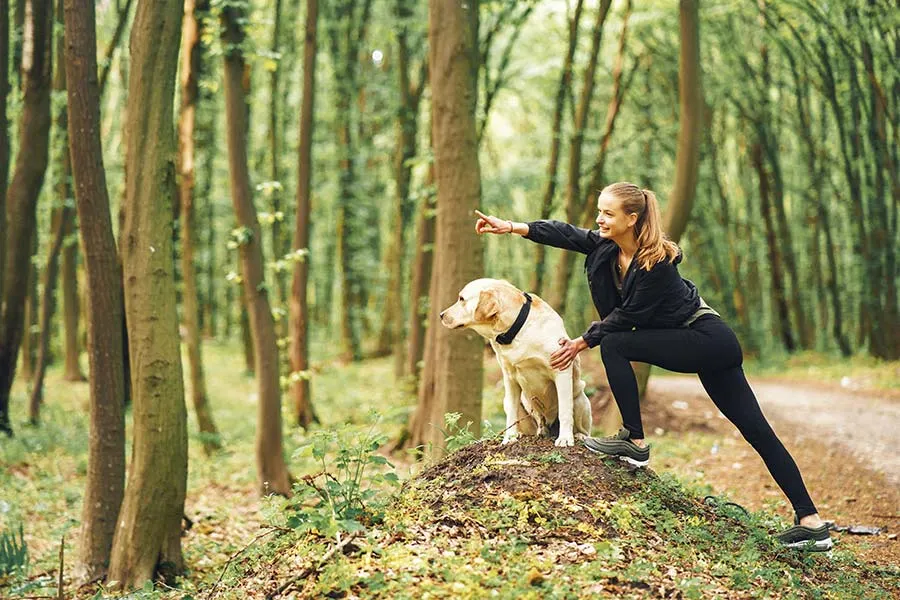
(650, 314)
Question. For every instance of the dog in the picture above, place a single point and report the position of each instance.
(535, 395)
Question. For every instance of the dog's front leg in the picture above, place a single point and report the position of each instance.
(511, 393)
(566, 407)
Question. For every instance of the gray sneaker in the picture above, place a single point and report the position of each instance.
(806, 538)
(620, 445)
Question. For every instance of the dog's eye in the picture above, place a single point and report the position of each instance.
(461, 299)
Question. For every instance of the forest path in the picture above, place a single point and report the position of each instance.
(866, 425)
(844, 442)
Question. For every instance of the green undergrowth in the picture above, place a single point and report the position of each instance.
(530, 520)
(858, 372)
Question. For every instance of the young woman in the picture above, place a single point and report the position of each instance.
(650, 314)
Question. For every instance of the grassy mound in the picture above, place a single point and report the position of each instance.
(534, 521)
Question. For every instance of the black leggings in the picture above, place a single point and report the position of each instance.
(709, 348)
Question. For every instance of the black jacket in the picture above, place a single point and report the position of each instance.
(657, 299)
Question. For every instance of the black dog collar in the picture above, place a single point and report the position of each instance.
(510, 335)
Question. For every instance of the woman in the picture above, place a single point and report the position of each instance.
(650, 314)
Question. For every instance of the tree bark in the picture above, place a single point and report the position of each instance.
(22, 195)
(419, 298)
(104, 488)
(303, 406)
(71, 305)
(272, 471)
(458, 366)
(391, 340)
(147, 543)
(191, 52)
(4, 134)
(690, 122)
(277, 191)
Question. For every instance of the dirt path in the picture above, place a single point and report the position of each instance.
(843, 442)
(865, 426)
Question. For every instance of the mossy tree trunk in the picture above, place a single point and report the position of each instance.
(147, 543)
(105, 485)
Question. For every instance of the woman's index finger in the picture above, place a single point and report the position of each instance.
(480, 214)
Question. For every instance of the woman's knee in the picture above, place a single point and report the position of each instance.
(611, 345)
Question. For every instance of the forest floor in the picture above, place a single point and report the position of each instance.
(840, 437)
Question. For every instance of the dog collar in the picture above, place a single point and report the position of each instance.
(510, 334)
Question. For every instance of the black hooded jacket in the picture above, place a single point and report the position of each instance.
(656, 299)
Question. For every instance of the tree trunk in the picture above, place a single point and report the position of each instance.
(71, 305)
(244, 319)
(4, 134)
(690, 122)
(458, 364)
(272, 471)
(576, 143)
(147, 543)
(32, 310)
(60, 222)
(419, 298)
(277, 191)
(105, 483)
(191, 52)
(303, 406)
(391, 339)
(22, 195)
(562, 91)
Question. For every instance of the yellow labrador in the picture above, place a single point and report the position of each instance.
(523, 331)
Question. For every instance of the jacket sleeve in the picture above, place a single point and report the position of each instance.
(562, 235)
(636, 311)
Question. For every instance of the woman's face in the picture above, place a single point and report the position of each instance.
(611, 218)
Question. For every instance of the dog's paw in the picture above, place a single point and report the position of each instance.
(565, 441)
(581, 436)
(510, 438)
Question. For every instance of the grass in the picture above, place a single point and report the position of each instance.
(856, 372)
(42, 474)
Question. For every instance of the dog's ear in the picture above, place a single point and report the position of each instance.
(488, 306)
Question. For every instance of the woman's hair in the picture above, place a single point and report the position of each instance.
(652, 243)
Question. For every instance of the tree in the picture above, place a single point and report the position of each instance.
(147, 542)
(303, 407)
(4, 133)
(271, 469)
(190, 75)
(457, 368)
(105, 484)
(22, 195)
(63, 215)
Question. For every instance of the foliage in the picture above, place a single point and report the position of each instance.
(341, 498)
(13, 552)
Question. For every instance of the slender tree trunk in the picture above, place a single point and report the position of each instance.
(147, 543)
(22, 195)
(246, 333)
(563, 89)
(61, 221)
(71, 305)
(576, 143)
(391, 338)
(272, 471)
(277, 192)
(190, 75)
(104, 488)
(421, 279)
(303, 406)
(458, 366)
(32, 310)
(690, 123)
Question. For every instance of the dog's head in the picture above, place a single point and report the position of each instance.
(480, 302)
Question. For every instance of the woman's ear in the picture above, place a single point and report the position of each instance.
(487, 307)
(632, 219)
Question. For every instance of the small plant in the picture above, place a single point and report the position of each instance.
(13, 552)
(334, 499)
(457, 437)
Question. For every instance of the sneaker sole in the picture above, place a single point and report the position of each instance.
(631, 461)
(817, 546)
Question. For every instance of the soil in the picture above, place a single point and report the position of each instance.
(843, 441)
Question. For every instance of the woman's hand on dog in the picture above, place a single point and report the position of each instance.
(568, 350)
(491, 224)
